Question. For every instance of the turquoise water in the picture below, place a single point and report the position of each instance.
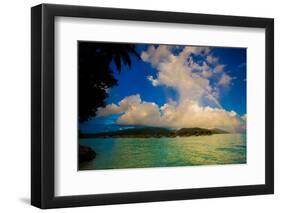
(117, 153)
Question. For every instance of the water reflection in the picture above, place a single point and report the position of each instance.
(113, 153)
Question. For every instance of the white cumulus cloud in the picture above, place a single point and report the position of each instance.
(198, 104)
(225, 80)
(187, 114)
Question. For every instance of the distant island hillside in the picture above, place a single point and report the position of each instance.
(154, 132)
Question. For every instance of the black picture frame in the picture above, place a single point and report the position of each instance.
(43, 102)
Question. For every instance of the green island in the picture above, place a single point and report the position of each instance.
(154, 132)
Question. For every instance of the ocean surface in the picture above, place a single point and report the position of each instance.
(117, 153)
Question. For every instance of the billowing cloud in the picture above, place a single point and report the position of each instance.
(187, 114)
(181, 72)
(225, 80)
(109, 109)
(197, 105)
(123, 106)
(155, 55)
(219, 68)
(154, 82)
(211, 59)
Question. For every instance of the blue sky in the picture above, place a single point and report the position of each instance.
(235, 97)
(224, 77)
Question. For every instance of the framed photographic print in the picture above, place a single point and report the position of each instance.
(139, 106)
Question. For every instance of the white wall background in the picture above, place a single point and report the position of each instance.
(15, 105)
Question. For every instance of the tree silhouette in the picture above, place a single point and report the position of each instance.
(96, 75)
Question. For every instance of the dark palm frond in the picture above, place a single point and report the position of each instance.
(126, 59)
(95, 74)
(133, 51)
(117, 62)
